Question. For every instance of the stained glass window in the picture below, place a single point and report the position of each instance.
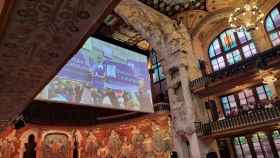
(261, 145)
(229, 48)
(276, 140)
(264, 92)
(229, 105)
(241, 147)
(246, 99)
(272, 25)
(157, 69)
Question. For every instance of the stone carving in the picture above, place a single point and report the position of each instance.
(172, 41)
(168, 37)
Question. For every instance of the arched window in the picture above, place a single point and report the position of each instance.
(272, 25)
(230, 47)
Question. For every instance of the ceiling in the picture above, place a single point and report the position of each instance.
(37, 39)
(172, 7)
(190, 12)
(114, 27)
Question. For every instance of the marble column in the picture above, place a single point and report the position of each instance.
(173, 43)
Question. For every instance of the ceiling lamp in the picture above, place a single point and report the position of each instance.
(269, 79)
(267, 76)
(246, 18)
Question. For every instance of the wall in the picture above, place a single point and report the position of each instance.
(207, 25)
(147, 136)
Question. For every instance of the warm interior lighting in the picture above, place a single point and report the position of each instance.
(268, 77)
(246, 18)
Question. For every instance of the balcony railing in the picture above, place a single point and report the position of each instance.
(254, 118)
(161, 107)
(261, 60)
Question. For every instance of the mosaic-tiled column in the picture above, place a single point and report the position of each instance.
(173, 43)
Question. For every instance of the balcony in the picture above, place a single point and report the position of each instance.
(253, 120)
(161, 107)
(231, 76)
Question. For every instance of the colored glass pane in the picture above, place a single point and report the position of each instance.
(211, 51)
(228, 40)
(275, 17)
(269, 24)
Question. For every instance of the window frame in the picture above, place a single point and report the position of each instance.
(156, 67)
(224, 53)
(276, 29)
(228, 101)
(237, 100)
(240, 145)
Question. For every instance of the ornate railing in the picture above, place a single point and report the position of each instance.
(161, 107)
(257, 117)
(260, 60)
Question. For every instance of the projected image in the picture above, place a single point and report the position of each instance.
(102, 74)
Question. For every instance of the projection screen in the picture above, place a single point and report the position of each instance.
(102, 75)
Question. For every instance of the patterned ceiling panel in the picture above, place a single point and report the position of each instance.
(114, 27)
(172, 7)
(191, 18)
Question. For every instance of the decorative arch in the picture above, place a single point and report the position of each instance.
(24, 139)
(229, 48)
(207, 29)
(272, 25)
(64, 138)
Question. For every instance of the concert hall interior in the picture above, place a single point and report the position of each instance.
(139, 79)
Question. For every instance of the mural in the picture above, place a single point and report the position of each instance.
(145, 137)
(55, 146)
(7, 146)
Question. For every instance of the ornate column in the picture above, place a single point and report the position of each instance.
(173, 44)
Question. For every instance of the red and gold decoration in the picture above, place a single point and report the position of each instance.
(145, 137)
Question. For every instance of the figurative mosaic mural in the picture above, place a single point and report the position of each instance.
(145, 137)
(55, 146)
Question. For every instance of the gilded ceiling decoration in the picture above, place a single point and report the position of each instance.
(172, 7)
(191, 12)
(191, 18)
(114, 27)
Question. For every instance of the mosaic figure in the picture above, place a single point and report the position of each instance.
(55, 146)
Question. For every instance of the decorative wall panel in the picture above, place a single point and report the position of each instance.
(144, 137)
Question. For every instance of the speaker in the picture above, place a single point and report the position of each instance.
(19, 123)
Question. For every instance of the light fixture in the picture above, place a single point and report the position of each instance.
(246, 18)
(267, 77)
